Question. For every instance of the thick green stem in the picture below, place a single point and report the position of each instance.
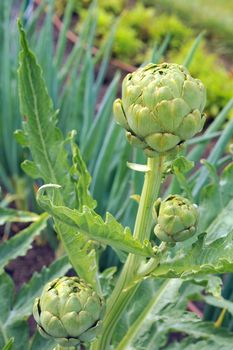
(126, 286)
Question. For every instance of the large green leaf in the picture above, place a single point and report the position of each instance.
(43, 137)
(50, 163)
(166, 294)
(164, 311)
(20, 243)
(93, 226)
(200, 258)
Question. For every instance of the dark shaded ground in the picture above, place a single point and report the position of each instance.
(22, 268)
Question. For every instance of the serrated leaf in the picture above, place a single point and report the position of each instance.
(82, 180)
(20, 243)
(47, 147)
(45, 140)
(211, 283)
(30, 169)
(21, 138)
(13, 215)
(183, 164)
(82, 255)
(198, 259)
(94, 227)
(179, 167)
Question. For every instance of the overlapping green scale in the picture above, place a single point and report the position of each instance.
(69, 311)
(177, 219)
(161, 107)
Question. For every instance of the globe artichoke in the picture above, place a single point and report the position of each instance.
(176, 219)
(161, 107)
(69, 311)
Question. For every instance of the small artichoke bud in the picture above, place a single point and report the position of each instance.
(69, 311)
(161, 107)
(176, 219)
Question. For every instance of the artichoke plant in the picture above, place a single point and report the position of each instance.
(176, 219)
(69, 311)
(161, 107)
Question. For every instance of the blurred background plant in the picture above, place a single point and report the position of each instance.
(143, 23)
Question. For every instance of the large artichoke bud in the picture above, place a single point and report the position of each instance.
(69, 311)
(176, 219)
(161, 107)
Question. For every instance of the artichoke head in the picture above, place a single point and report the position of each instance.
(161, 107)
(176, 219)
(69, 311)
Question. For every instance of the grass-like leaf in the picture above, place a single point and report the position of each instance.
(13, 215)
(9, 345)
(20, 243)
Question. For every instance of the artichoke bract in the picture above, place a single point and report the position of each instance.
(177, 219)
(69, 311)
(161, 107)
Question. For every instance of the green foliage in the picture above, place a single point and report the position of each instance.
(83, 232)
(213, 16)
(138, 28)
(164, 24)
(161, 312)
(10, 154)
(19, 244)
(213, 74)
(144, 300)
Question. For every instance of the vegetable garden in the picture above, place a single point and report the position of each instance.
(116, 175)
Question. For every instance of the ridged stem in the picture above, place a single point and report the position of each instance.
(126, 286)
